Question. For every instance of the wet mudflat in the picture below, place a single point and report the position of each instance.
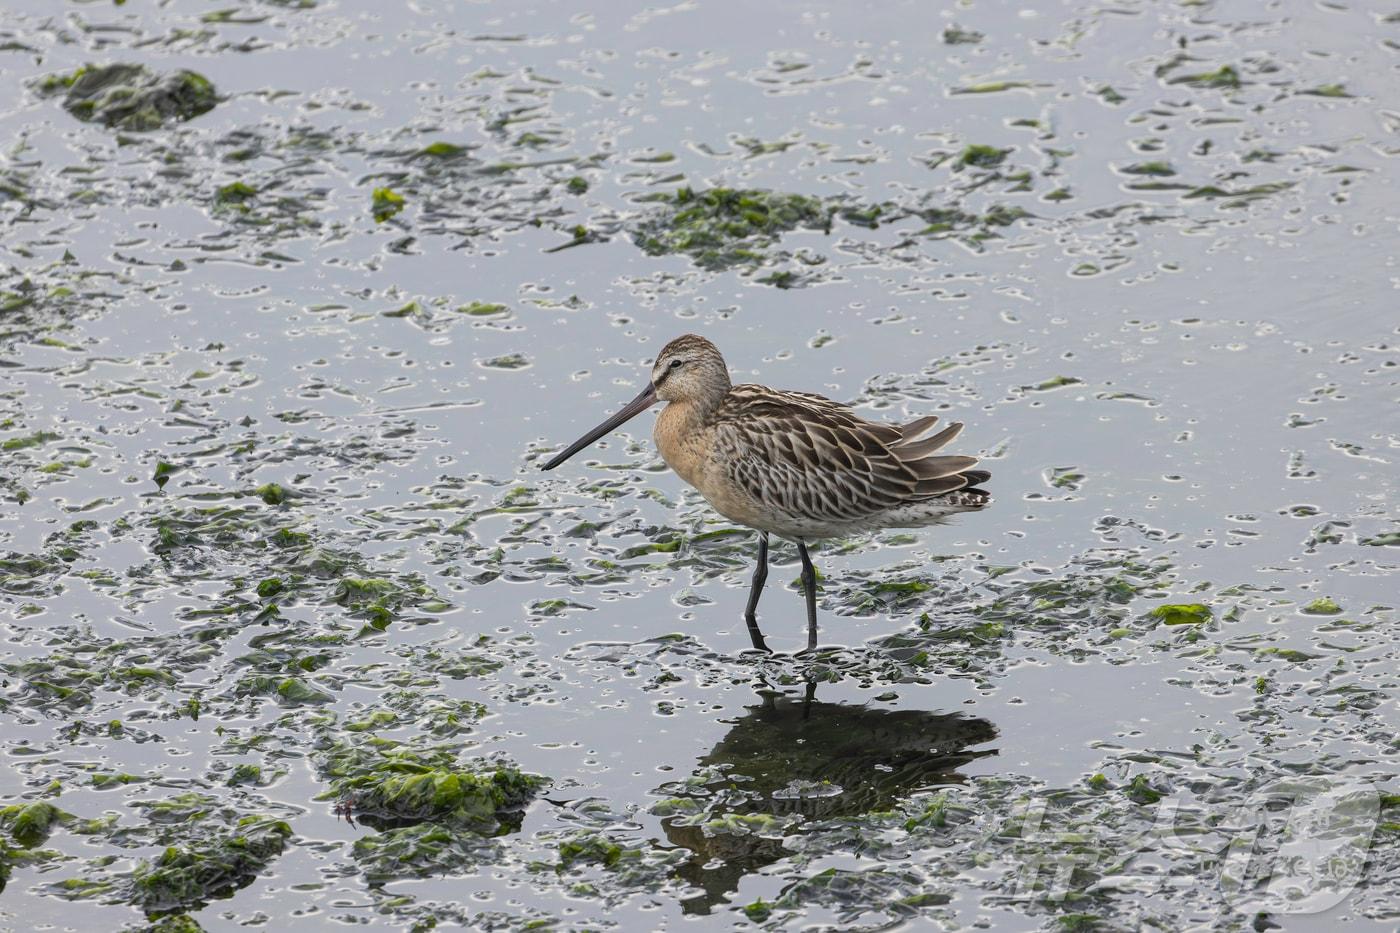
(294, 295)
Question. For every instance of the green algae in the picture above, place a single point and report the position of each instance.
(235, 194)
(294, 691)
(627, 863)
(393, 783)
(1070, 478)
(253, 538)
(376, 720)
(175, 923)
(1141, 790)
(163, 472)
(719, 228)
(188, 807)
(1055, 382)
(443, 717)
(758, 911)
(1156, 169)
(1322, 606)
(554, 607)
(131, 97)
(385, 203)
(106, 781)
(188, 876)
(508, 362)
(30, 824)
(1223, 77)
(593, 847)
(1293, 655)
(992, 87)
(454, 664)
(483, 309)
(652, 547)
(478, 800)
(271, 493)
(1182, 614)
(245, 773)
(418, 851)
(850, 895)
(232, 15)
(969, 228)
(443, 150)
(979, 156)
(37, 439)
(77, 889)
(936, 813)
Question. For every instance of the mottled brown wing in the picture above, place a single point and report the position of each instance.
(804, 455)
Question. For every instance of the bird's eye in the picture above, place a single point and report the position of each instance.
(675, 363)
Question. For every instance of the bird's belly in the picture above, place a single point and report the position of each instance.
(772, 518)
(739, 507)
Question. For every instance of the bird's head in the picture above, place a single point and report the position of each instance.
(690, 369)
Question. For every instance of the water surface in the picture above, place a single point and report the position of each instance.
(270, 499)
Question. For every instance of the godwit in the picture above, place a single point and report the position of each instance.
(793, 464)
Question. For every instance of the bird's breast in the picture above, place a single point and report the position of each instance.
(680, 440)
(688, 447)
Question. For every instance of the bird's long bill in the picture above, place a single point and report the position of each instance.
(629, 411)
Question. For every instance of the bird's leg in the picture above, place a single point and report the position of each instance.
(809, 587)
(760, 576)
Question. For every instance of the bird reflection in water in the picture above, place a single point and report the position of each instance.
(791, 760)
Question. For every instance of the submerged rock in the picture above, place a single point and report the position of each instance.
(132, 97)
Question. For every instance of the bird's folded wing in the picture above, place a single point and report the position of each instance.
(804, 455)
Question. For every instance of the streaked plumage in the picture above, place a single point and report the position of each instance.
(794, 464)
(801, 466)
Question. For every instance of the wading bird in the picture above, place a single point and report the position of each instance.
(793, 464)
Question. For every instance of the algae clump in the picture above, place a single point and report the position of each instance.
(448, 795)
(132, 97)
(1225, 76)
(980, 156)
(723, 227)
(1182, 614)
(389, 784)
(175, 923)
(187, 876)
(593, 847)
(417, 851)
(235, 194)
(386, 202)
(30, 823)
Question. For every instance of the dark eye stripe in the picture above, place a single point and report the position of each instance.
(670, 368)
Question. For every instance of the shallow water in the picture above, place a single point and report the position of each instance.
(1163, 306)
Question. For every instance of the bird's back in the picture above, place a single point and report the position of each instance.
(803, 466)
